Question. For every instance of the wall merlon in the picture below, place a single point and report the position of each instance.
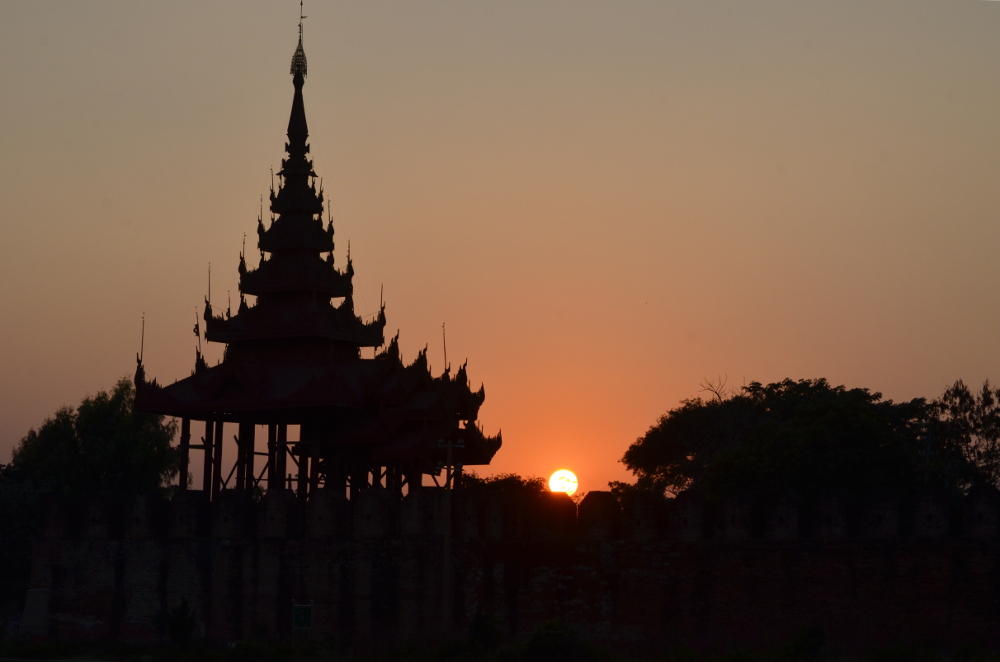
(277, 515)
(784, 517)
(734, 518)
(62, 518)
(688, 517)
(376, 514)
(102, 516)
(933, 515)
(982, 514)
(832, 516)
(880, 517)
(327, 516)
(644, 518)
(553, 517)
(188, 515)
(233, 516)
(599, 516)
(145, 517)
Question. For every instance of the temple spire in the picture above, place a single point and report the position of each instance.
(298, 130)
(299, 59)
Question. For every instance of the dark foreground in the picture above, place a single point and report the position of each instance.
(380, 571)
(552, 642)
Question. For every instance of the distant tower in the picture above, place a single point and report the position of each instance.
(293, 358)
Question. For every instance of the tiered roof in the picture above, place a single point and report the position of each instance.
(293, 282)
(294, 354)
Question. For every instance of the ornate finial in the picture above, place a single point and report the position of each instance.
(197, 330)
(299, 59)
(444, 342)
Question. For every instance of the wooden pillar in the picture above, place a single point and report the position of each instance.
(217, 460)
(303, 469)
(394, 480)
(241, 471)
(206, 444)
(304, 449)
(185, 448)
(413, 479)
(244, 470)
(281, 454)
(359, 481)
(272, 456)
(335, 472)
(314, 466)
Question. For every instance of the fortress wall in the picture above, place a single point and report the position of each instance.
(685, 572)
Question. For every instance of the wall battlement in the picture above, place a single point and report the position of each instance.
(685, 572)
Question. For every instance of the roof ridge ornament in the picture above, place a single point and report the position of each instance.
(299, 58)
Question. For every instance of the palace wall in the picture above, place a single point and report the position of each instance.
(872, 573)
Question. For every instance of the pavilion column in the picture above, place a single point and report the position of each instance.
(272, 446)
(281, 455)
(305, 449)
(185, 448)
(412, 477)
(303, 469)
(217, 460)
(240, 461)
(359, 480)
(314, 466)
(206, 444)
(244, 470)
(336, 473)
(394, 480)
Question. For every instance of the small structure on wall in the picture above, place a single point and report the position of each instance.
(293, 357)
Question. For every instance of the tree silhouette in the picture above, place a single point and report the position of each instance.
(806, 436)
(105, 444)
(972, 422)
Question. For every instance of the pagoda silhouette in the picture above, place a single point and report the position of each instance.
(294, 358)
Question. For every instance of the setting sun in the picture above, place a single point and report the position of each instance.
(563, 481)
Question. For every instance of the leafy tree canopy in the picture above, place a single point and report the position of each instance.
(810, 437)
(105, 444)
(971, 420)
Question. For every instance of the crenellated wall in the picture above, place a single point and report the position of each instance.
(684, 572)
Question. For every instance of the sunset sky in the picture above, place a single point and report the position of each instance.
(607, 203)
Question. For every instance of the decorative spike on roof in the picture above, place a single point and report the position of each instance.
(299, 59)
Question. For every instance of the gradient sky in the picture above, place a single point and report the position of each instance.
(607, 202)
